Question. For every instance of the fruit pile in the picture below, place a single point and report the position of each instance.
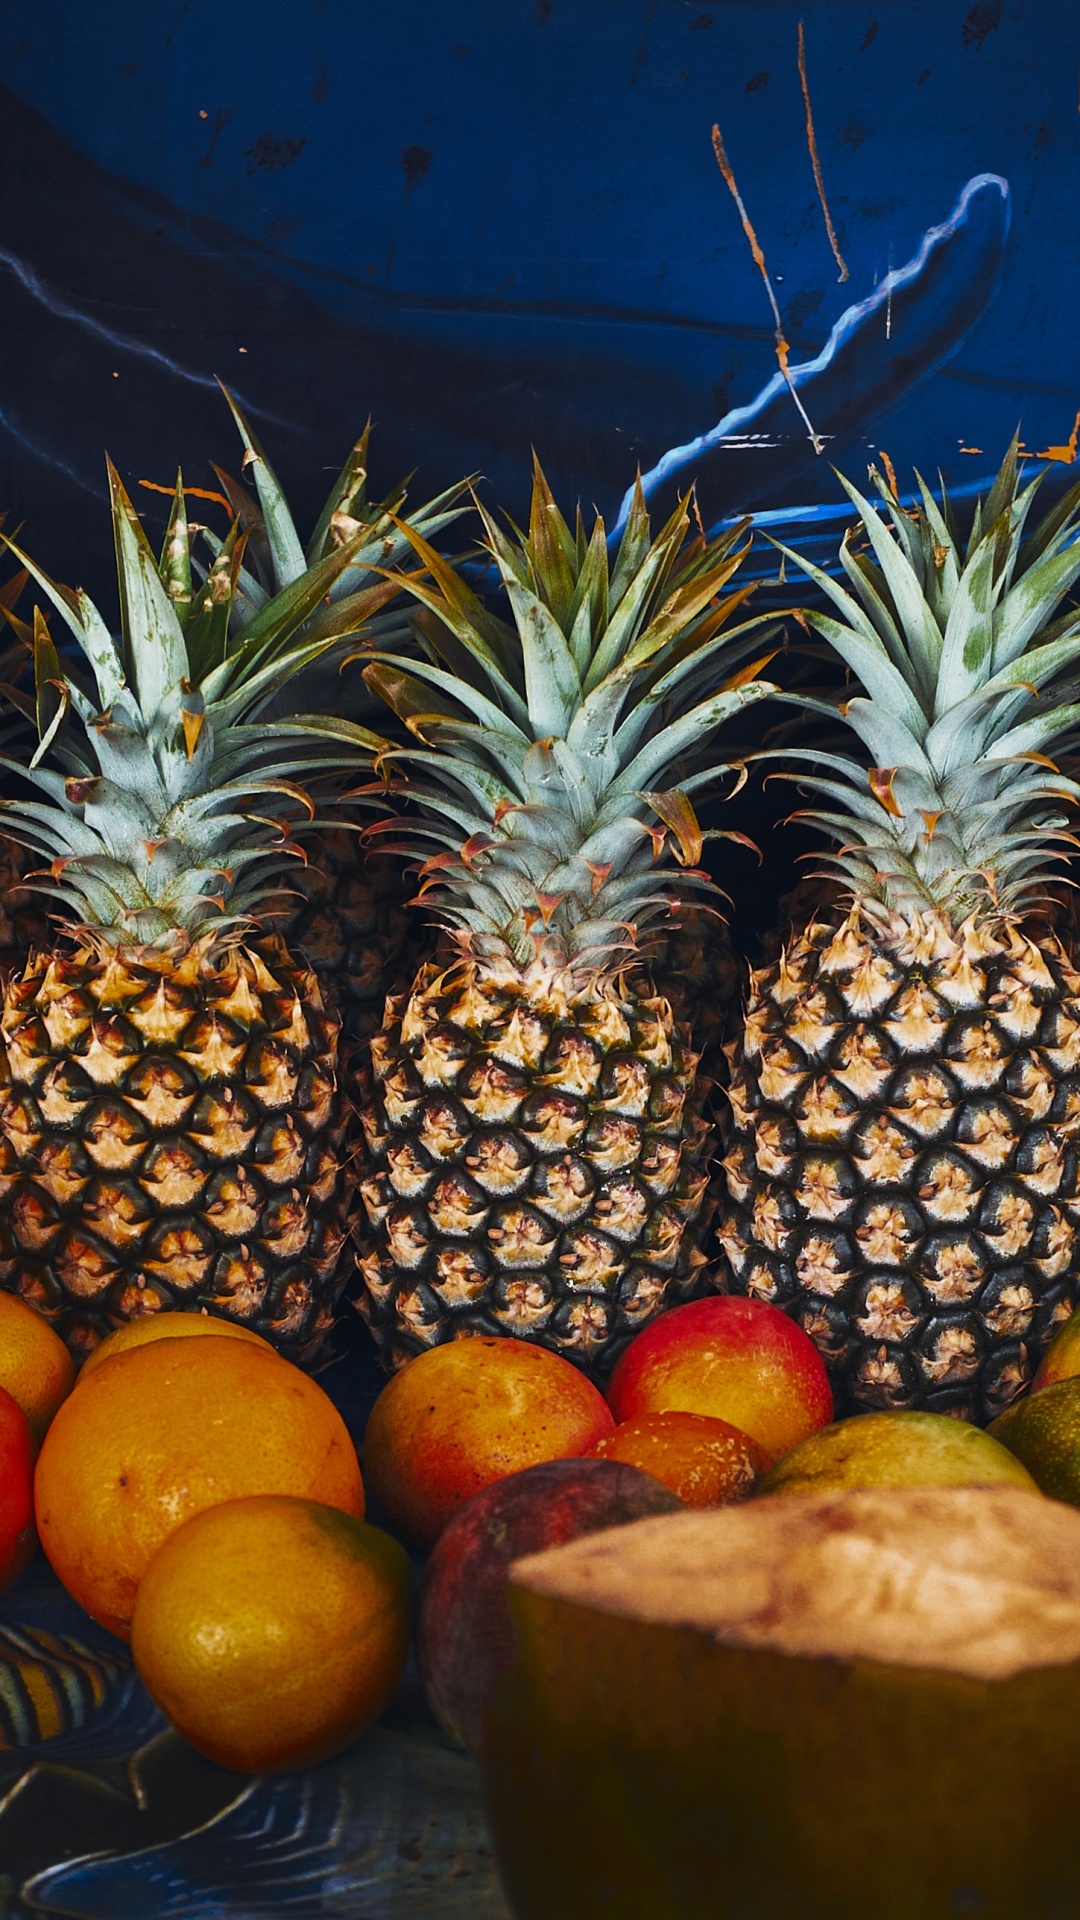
(202, 1497)
(608, 1331)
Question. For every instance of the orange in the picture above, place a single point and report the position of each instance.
(707, 1462)
(166, 1326)
(464, 1414)
(35, 1366)
(159, 1433)
(16, 1489)
(271, 1630)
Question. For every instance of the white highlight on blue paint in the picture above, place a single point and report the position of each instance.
(50, 459)
(740, 418)
(63, 310)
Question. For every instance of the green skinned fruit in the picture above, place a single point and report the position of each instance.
(1061, 1360)
(1043, 1431)
(702, 1711)
(896, 1450)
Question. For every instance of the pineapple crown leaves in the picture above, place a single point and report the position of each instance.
(556, 757)
(274, 556)
(166, 802)
(969, 676)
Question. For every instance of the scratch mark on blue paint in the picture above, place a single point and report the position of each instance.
(740, 420)
(50, 459)
(63, 310)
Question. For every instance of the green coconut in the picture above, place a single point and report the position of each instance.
(896, 1450)
(852, 1706)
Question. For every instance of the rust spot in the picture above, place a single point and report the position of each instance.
(221, 121)
(415, 162)
(983, 18)
(272, 153)
(1066, 453)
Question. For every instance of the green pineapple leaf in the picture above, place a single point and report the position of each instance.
(152, 638)
(282, 537)
(174, 566)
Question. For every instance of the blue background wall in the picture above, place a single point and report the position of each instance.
(500, 222)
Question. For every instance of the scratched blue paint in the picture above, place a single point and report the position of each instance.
(501, 222)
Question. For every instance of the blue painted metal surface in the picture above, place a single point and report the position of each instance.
(502, 222)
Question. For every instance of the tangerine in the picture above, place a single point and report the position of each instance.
(162, 1431)
(272, 1630)
(35, 1366)
(706, 1461)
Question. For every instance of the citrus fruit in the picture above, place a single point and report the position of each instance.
(706, 1462)
(464, 1414)
(35, 1366)
(1044, 1432)
(164, 1431)
(271, 1630)
(165, 1326)
(732, 1358)
(1062, 1357)
(16, 1489)
(896, 1450)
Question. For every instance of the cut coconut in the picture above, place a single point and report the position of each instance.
(983, 1582)
(852, 1706)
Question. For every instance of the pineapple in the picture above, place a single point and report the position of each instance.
(905, 1098)
(345, 911)
(536, 1158)
(172, 1133)
(694, 965)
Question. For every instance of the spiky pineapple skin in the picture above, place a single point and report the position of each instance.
(346, 914)
(172, 1137)
(536, 1166)
(901, 1162)
(697, 971)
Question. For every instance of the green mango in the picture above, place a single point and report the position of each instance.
(1043, 1431)
(896, 1450)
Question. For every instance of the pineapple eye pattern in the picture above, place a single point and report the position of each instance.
(181, 1185)
(930, 1245)
(534, 1229)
